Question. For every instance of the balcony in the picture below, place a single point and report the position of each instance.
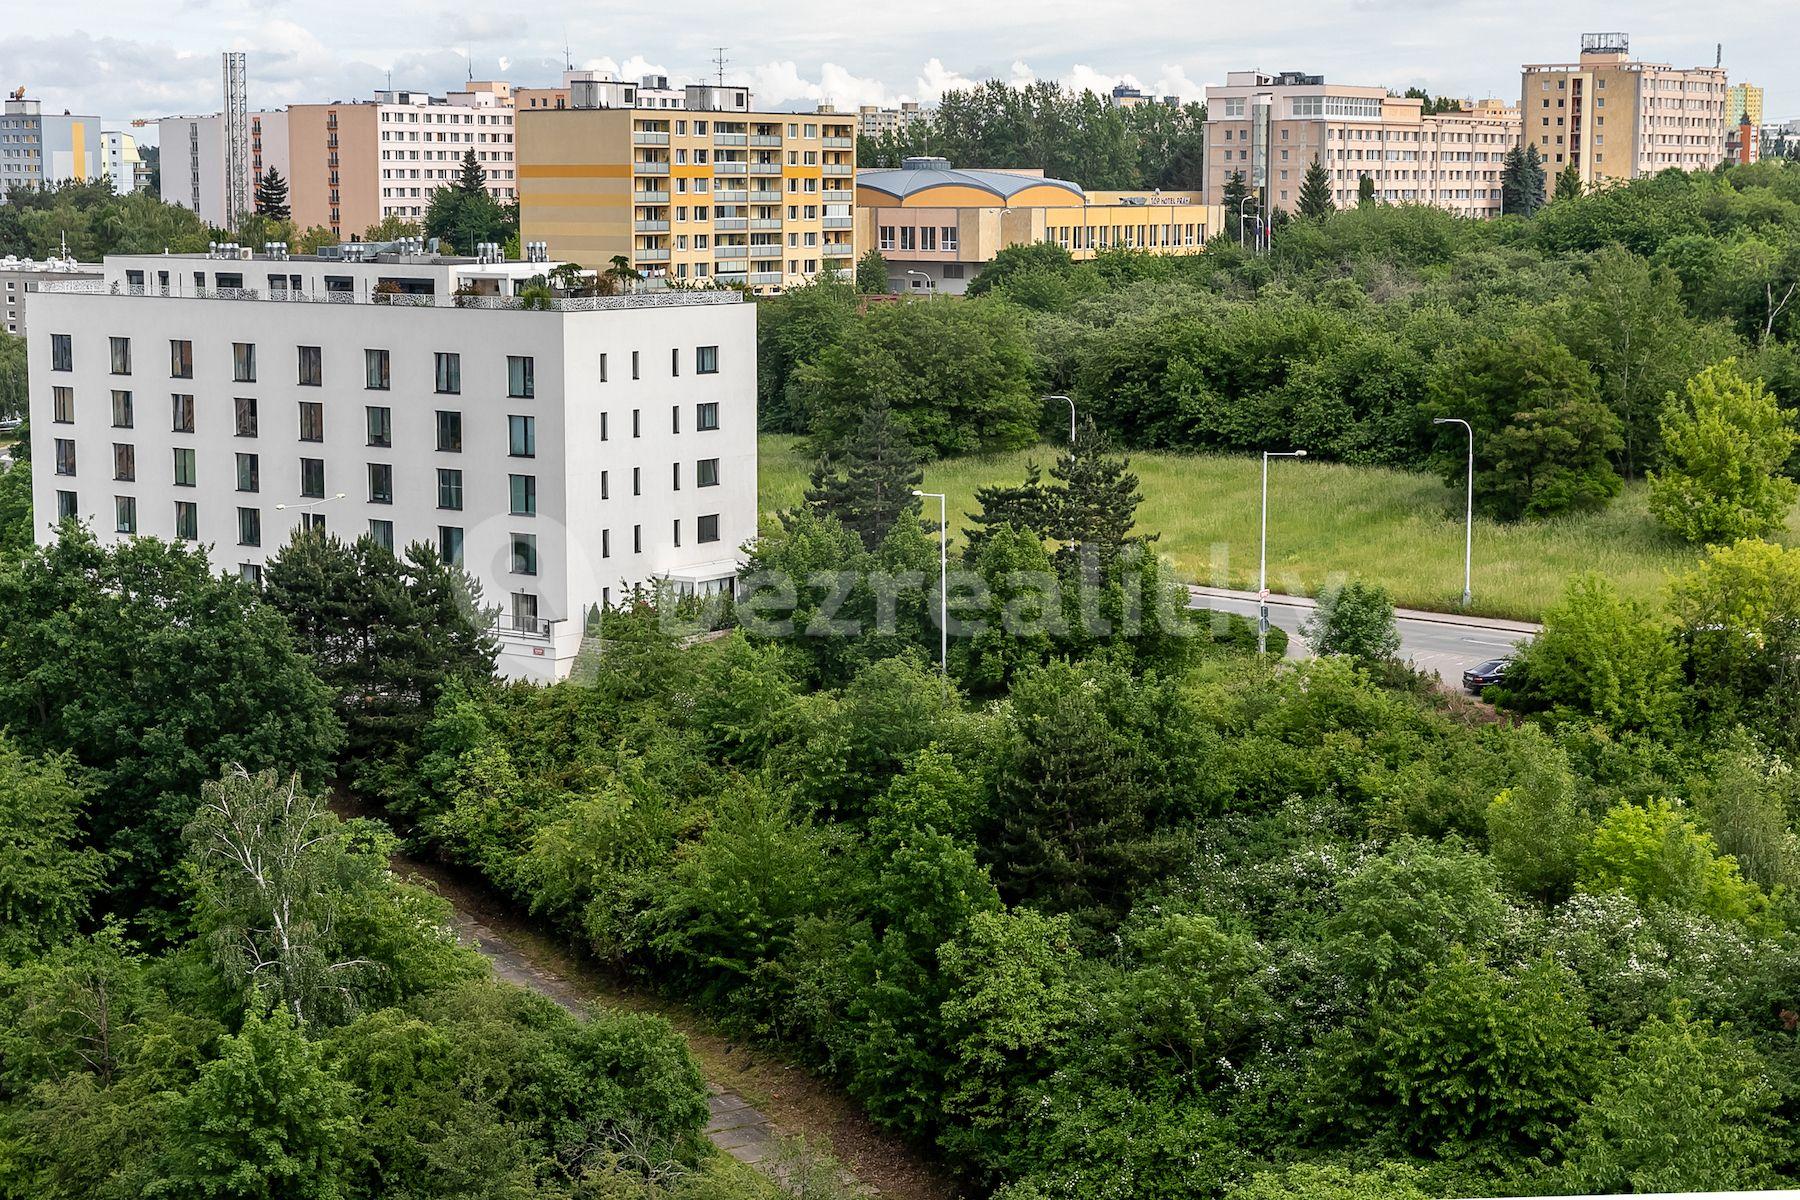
(765, 197)
(840, 222)
(837, 196)
(840, 143)
(647, 137)
(765, 223)
(659, 197)
(764, 139)
(650, 226)
(650, 168)
(729, 195)
(729, 139)
(764, 278)
(837, 250)
(733, 278)
(765, 168)
(730, 223)
(839, 169)
(730, 168)
(652, 255)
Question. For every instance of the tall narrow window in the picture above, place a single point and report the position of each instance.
(312, 366)
(675, 475)
(62, 352)
(450, 488)
(375, 370)
(521, 376)
(675, 418)
(381, 483)
(312, 421)
(65, 456)
(249, 473)
(62, 405)
(124, 462)
(634, 364)
(181, 359)
(243, 362)
(675, 362)
(244, 416)
(381, 425)
(312, 478)
(187, 520)
(121, 355)
(249, 527)
(449, 373)
(450, 544)
(181, 413)
(184, 466)
(521, 436)
(121, 405)
(523, 490)
(125, 514)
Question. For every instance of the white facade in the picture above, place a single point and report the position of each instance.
(192, 151)
(626, 486)
(119, 160)
(18, 276)
(423, 140)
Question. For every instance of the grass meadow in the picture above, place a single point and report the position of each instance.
(1327, 521)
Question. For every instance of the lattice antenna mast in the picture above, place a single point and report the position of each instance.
(237, 140)
(719, 61)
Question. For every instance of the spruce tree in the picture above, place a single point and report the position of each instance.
(272, 196)
(473, 178)
(1522, 181)
(1568, 183)
(1365, 190)
(868, 483)
(1031, 506)
(1315, 193)
(1096, 507)
(1236, 192)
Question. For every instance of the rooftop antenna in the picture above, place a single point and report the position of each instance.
(471, 63)
(1718, 54)
(568, 59)
(719, 61)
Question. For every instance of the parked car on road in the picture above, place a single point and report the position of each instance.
(1482, 674)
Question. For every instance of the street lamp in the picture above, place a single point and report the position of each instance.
(1469, 515)
(1071, 405)
(310, 503)
(1242, 218)
(943, 583)
(1262, 571)
(921, 275)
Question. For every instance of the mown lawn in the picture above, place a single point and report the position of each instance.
(1326, 521)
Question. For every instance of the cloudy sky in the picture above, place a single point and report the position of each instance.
(134, 58)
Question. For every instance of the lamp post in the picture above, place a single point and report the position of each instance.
(310, 504)
(921, 275)
(1469, 512)
(943, 583)
(1071, 405)
(1242, 218)
(1262, 570)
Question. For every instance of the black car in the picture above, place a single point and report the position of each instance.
(1482, 674)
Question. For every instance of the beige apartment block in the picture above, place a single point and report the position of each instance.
(1613, 118)
(709, 192)
(355, 163)
(1271, 128)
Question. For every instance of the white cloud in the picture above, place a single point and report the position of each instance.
(1174, 81)
(1021, 76)
(935, 79)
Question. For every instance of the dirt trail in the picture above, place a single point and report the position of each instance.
(756, 1098)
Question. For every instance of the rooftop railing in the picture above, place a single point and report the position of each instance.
(648, 299)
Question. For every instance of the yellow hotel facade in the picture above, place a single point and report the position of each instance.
(707, 193)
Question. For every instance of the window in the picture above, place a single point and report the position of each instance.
(62, 405)
(706, 416)
(381, 425)
(706, 473)
(124, 462)
(948, 240)
(125, 514)
(244, 414)
(449, 432)
(184, 466)
(249, 473)
(249, 527)
(634, 364)
(313, 522)
(675, 476)
(449, 373)
(521, 376)
(243, 362)
(312, 366)
(65, 456)
(524, 553)
(676, 533)
(637, 539)
(181, 413)
(375, 370)
(603, 427)
(181, 359)
(450, 544)
(675, 362)
(312, 478)
(675, 418)
(637, 481)
(121, 410)
(62, 353)
(886, 234)
(312, 421)
(524, 612)
(382, 534)
(65, 505)
(603, 368)
(706, 528)
(121, 356)
(450, 492)
(605, 491)
(521, 436)
(706, 360)
(606, 543)
(381, 483)
(523, 489)
(187, 520)
(637, 427)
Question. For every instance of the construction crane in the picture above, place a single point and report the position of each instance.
(19, 92)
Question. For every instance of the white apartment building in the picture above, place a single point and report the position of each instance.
(193, 158)
(20, 276)
(119, 160)
(424, 138)
(40, 149)
(561, 456)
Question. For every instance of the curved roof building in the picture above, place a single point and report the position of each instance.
(934, 183)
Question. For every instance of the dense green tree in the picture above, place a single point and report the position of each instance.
(1738, 613)
(1536, 827)
(1315, 193)
(154, 673)
(1654, 854)
(868, 482)
(1522, 181)
(17, 530)
(1031, 506)
(1542, 437)
(791, 329)
(957, 373)
(1365, 190)
(94, 221)
(1025, 258)
(872, 274)
(1232, 198)
(1407, 910)
(46, 876)
(13, 383)
(1568, 183)
(1354, 619)
(466, 214)
(1094, 510)
(272, 196)
(1724, 447)
(386, 634)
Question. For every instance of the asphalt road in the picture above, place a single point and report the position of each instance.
(1442, 642)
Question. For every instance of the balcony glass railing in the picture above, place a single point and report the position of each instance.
(730, 195)
(646, 137)
(651, 168)
(651, 226)
(729, 139)
(657, 197)
(732, 223)
(764, 139)
(765, 168)
(651, 255)
(730, 168)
